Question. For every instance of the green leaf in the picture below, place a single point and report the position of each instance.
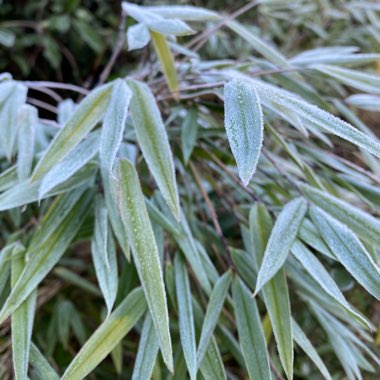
(82, 121)
(15, 97)
(189, 133)
(84, 152)
(356, 79)
(348, 249)
(185, 315)
(166, 58)
(317, 271)
(147, 351)
(107, 336)
(22, 319)
(155, 22)
(27, 123)
(212, 367)
(316, 115)
(114, 123)
(244, 126)
(281, 239)
(41, 367)
(275, 292)
(154, 142)
(145, 253)
(359, 221)
(251, 336)
(104, 255)
(138, 36)
(214, 307)
(302, 340)
(258, 44)
(49, 243)
(184, 12)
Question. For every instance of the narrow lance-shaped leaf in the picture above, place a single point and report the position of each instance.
(107, 336)
(214, 308)
(154, 142)
(302, 340)
(22, 319)
(316, 115)
(41, 367)
(244, 126)
(48, 245)
(281, 239)
(27, 123)
(66, 168)
(104, 255)
(364, 224)
(145, 253)
(275, 292)
(251, 336)
(316, 270)
(189, 133)
(114, 123)
(348, 249)
(185, 315)
(166, 58)
(147, 351)
(356, 79)
(16, 97)
(81, 122)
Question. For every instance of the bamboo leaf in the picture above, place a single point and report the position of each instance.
(48, 245)
(107, 336)
(275, 292)
(14, 97)
(138, 36)
(356, 79)
(251, 336)
(317, 271)
(244, 126)
(166, 58)
(212, 364)
(41, 367)
(154, 142)
(185, 315)
(189, 133)
(22, 319)
(27, 123)
(302, 340)
(114, 123)
(104, 255)
(145, 253)
(214, 308)
(147, 351)
(281, 239)
(82, 121)
(348, 249)
(359, 221)
(67, 167)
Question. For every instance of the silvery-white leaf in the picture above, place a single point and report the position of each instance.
(138, 36)
(244, 125)
(27, 124)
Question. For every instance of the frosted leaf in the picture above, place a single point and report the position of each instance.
(281, 239)
(244, 125)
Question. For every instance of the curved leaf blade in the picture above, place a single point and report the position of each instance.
(145, 253)
(244, 126)
(154, 142)
(281, 239)
(107, 336)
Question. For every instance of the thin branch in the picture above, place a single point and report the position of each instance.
(116, 51)
(62, 86)
(197, 42)
(41, 104)
(213, 215)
